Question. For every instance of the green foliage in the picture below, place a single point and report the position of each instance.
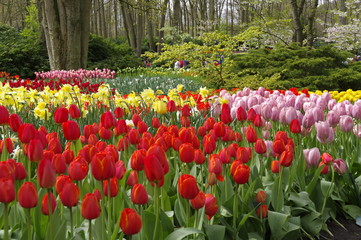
(294, 66)
(20, 55)
(107, 53)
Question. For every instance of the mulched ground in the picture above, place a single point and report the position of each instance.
(353, 231)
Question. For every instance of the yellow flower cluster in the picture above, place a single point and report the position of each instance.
(341, 96)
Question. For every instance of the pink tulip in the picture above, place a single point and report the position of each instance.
(346, 123)
(340, 166)
(312, 156)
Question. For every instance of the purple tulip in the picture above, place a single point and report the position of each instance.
(325, 133)
(346, 123)
(312, 156)
(339, 165)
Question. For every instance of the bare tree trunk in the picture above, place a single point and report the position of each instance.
(140, 31)
(128, 22)
(343, 9)
(161, 25)
(297, 10)
(150, 30)
(177, 15)
(115, 8)
(311, 23)
(66, 25)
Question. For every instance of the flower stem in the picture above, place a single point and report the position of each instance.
(29, 223)
(71, 223)
(90, 229)
(329, 190)
(50, 222)
(6, 222)
(156, 210)
(235, 211)
(109, 210)
(279, 189)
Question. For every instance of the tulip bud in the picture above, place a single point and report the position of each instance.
(61, 115)
(7, 190)
(139, 194)
(28, 195)
(275, 166)
(90, 208)
(71, 130)
(45, 204)
(113, 192)
(4, 115)
(199, 201)
(187, 186)
(69, 195)
(74, 111)
(262, 211)
(211, 206)
(130, 221)
(160, 107)
(261, 196)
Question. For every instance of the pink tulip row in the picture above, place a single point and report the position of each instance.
(77, 74)
(320, 111)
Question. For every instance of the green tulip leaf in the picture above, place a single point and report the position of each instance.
(277, 198)
(181, 233)
(215, 232)
(180, 212)
(312, 223)
(311, 186)
(301, 199)
(353, 210)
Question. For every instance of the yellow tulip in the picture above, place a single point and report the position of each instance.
(160, 107)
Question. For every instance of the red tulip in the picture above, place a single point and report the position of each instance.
(159, 152)
(8, 144)
(137, 159)
(68, 156)
(74, 111)
(118, 112)
(251, 134)
(7, 190)
(186, 111)
(187, 186)
(136, 118)
(61, 115)
(251, 114)
(153, 168)
(226, 114)
(59, 163)
(88, 130)
(103, 166)
(132, 178)
(15, 122)
(45, 204)
(130, 221)
(20, 172)
(123, 143)
(282, 135)
(215, 166)
(90, 208)
(185, 121)
(295, 126)
(46, 174)
(121, 127)
(113, 192)
(202, 131)
(260, 146)
(61, 180)
(4, 115)
(224, 155)
(71, 130)
(55, 145)
(134, 136)
(209, 144)
(241, 114)
(324, 167)
(26, 132)
(28, 195)
(262, 211)
(244, 154)
(139, 194)
(199, 157)
(261, 196)
(104, 133)
(278, 146)
(326, 158)
(219, 129)
(69, 195)
(286, 158)
(241, 174)
(199, 201)
(120, 169)
(108, 120)
(78, 169)
(275, 166)
(211, 206)
(186, 152)
(258, 121)
(232, 149)
(155, 122)
(171, 107)
(142, 127)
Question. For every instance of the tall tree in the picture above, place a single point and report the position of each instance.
(66, 25)
(297, 9)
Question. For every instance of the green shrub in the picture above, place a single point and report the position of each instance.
(107, 53)
(19, 56)
(302, 67)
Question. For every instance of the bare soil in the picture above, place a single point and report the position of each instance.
(352, 231)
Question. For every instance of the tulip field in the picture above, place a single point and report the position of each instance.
(84, 155)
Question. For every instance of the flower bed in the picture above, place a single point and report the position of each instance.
(154, 165)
